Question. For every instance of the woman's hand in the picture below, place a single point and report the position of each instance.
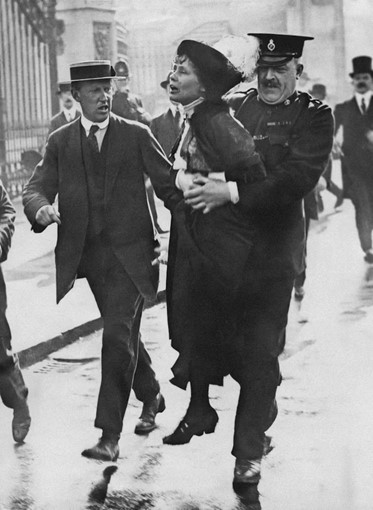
(207, 194)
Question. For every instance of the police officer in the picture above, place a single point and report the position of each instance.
(293, 134)
(125, 103)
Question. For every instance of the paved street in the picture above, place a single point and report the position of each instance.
(323, 458)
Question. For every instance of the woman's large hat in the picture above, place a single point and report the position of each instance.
(361, 65)
(92, 70)
(216, 71)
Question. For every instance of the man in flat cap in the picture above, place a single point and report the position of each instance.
(69, 110)
(293, 134)
(96, 164)
(356, 118)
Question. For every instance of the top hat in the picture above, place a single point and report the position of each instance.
(122, 70)
(217, 73)
(361, 65)
(63, 86)
(92, 70)
(318, 89)
(165, 82)
(277, 49)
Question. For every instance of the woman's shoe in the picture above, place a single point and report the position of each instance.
(190, 426)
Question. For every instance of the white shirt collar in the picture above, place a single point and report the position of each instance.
(86, 123)
(367, 95)
(189, 108)
(69, 114)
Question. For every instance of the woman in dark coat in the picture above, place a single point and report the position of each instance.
(208, 253)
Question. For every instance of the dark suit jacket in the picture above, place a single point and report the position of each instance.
(132, 151)
(59, 120)
(357, 160)
(166, 129)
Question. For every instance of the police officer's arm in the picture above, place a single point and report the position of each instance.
(7, 218)
(41, 190)
(157, 167)
(300, 170)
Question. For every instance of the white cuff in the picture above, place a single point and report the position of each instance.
(183, 180)
(233, 191)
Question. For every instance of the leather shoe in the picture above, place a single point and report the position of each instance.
(246, 472)
(193, 426)
(146, 422)
(21, 422)
(105, 449)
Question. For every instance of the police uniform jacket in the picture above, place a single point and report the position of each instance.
(129, 106)
(357, 160)
(132, 151)
(294, 140)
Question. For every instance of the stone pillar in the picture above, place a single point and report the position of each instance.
(89, 32)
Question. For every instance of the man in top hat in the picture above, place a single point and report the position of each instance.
(69, 110)
(293, 134)
(96, 165)
(356, 117)
(125, 103)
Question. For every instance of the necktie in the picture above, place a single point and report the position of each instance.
(92, 140)
(363, 106)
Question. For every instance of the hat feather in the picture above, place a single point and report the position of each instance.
(242, 51)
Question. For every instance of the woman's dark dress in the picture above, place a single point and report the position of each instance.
(209, 253)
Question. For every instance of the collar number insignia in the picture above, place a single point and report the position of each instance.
(271, 45)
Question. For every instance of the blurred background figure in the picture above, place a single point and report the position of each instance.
(125, 103)
(318, 91)
(166, 127)
(69, 110)
(356, 117)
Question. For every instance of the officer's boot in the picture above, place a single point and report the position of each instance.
(13, 392)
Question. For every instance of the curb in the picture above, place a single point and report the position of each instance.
(40, 351)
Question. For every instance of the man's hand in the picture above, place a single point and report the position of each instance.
(207, 194)
(47, 215)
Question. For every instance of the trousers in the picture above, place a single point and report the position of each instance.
(125, 363)
(13, 389)
(257, 369)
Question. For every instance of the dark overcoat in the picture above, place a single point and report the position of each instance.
(357, 159)
(132, 151)
(166, 129)
(210, 252)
